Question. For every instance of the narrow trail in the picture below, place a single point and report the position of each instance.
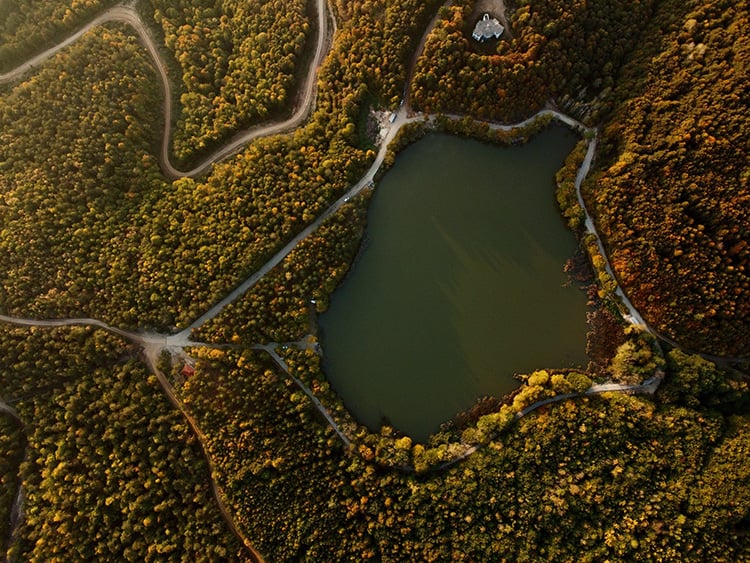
(144, 339)
(16, 509)
(126, 13)
(648, 387)
(632, 316)
(218, 492)
(16, 515)
(417, 53)
(271, 350)
(10, 411)
(154, 343)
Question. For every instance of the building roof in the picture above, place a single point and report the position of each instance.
(487, 28)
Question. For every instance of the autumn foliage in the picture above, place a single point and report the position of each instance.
(671, 196)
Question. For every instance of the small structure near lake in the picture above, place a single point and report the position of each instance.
(187, 371)
(487, 28)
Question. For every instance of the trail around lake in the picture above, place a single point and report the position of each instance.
(153, 343)
(126, 13)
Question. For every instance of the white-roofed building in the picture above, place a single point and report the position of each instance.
(487, 28)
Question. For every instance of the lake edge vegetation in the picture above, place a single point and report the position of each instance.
(616, 477)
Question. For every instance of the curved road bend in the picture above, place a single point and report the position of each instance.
(649, 387)
(144, 339)
(633, 316)
(127, 14)
(10, 411)
(420, 48)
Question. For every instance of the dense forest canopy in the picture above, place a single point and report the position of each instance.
(103, 466)
(553, 50)
(28, 26)
(619, 478)
(110, 471)
(238, 62)
(91, 226)
(671, 198)
(76, 164)
(673, 195)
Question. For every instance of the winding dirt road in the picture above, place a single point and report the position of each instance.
(127, 14)
(153, 343)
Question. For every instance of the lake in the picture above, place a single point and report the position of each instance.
(459, 284)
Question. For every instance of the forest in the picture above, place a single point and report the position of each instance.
(26, 27)
(107, 468)
(673, 219)
(671, 197)
(618, 477)
(238, 62)
(110, 471)
(558, 50)
(95, 207)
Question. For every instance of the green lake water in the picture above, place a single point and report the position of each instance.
(459, 284)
